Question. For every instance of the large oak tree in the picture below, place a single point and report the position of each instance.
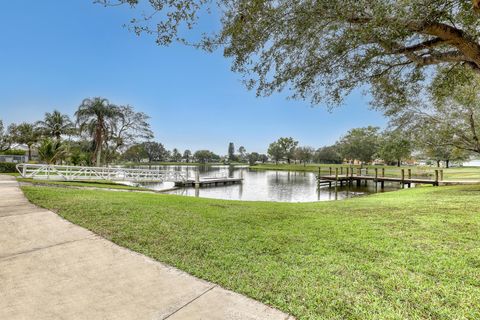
(322, 49)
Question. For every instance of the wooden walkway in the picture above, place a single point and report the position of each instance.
(208, 182)
(405, 178)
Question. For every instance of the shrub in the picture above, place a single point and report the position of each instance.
(14, 152)
(7, 167)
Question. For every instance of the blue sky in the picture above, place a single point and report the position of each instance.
(54, 53)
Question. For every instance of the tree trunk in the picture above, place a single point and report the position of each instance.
(29, 152)
(447, 164)
(98, 145)
(438, 163)
(398, 162)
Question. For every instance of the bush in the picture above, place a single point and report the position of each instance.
(14, 152)
(7, 167)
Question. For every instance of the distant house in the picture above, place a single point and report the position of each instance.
(21, 157)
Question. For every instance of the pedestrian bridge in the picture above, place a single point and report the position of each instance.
(72, 173)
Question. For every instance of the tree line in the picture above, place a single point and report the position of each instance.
(368, 144)
(100, 133)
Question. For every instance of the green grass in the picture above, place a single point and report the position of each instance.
(13, 174)
(410, 254)
(83, 184)
(457, 173)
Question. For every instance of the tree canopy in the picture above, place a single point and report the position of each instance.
(359, 144)
(321, 50)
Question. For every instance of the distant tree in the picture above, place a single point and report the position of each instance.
(231, 152)
(96, 117)
(288, 146)
(52, 151)
(359, 144)
(55, 125)
(135, 153)
(176, 155)
(80, 152)
(242, 153)
(129, 127)
(187, 154)
(5, 138)
(263, 158)
(435, 144)
(155, 151)
(453, 114)
(25, 133)
(304, 154)
(205, 156)
(276, 152)
(328, 154)
(253, 158)
(394, 146)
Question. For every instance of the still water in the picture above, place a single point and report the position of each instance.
(269, 185)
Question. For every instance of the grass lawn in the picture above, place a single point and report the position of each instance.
(410, 254)
(456, 173)
(84, 184)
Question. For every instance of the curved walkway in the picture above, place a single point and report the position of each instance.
(53, 269)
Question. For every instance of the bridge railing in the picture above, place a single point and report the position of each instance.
(69, 173)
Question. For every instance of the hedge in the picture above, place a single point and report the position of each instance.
(14, 152)
(7, 167)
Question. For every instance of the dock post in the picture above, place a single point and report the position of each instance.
(376, 178)
(409, 174)
(336, 177)
(341, 170)
(403, 178)
(329, 171)
(436, 178)
(441, 175)
(197, 179)
(383, 172)
(366, 171)
(359, 174)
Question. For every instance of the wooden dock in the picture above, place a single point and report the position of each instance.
(208, 182)
(349, 175)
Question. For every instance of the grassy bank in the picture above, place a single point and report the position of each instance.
(457, 173)
(411, 254)
(81, 184)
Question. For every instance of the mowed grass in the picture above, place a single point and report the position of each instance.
(410, 254)
(455, 173)
(82, 184)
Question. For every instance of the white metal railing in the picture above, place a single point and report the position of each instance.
(56, 172)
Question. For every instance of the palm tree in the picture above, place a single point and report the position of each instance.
(51, 151)
(25, 133)
(55, 124)
(95, 117)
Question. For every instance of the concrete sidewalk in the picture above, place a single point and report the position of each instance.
(53, 269)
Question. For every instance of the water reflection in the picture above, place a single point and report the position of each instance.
(281, 186)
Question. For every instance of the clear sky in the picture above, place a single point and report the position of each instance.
(54, 53)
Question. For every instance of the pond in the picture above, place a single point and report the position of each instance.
(265, 185)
